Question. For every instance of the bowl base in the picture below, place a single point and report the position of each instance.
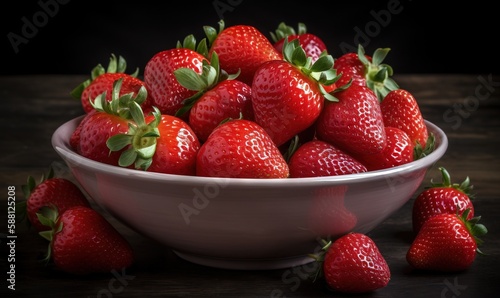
(245, 264)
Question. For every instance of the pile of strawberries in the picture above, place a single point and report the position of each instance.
(238, 104)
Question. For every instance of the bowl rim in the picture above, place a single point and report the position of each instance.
(60, 143)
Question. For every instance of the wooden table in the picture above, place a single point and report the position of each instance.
(466, 107)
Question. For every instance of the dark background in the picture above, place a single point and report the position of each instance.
(71, 36)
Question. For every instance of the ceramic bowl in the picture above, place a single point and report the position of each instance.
(245, 223)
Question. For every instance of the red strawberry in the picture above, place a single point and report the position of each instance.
(82, 241)
(318, 158)
(241, 48)
(218, 96)
(398, 151)
(312, 44)
(354, 124)
(366, 70)
(111, 117)
(287, 95)
(49, 191)
(446, 242)
(240, 148)
(166, 92)
(102, 81)
(354, 264)
(157, 143)
(444, 197)
(400, 109)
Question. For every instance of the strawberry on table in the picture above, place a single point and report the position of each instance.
(312, 44)
(443, 197)
(49, 191)
(354, 264)
(446, 242)
(82, 241)
(288, 95)
(240, 148)
(241, 48)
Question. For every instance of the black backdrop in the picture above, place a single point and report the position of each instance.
(72, 36)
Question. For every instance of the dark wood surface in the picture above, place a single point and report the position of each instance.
(466, 107)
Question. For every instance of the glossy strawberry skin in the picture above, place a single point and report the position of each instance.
(104, 83)
(354, 264)
(243, 48)
(318, 158)
(240, 149)
(57, 192)
(442, 244)
(285, 101)
(436, 200)
(400, 109)
(354, 124)
(398, 151)
(176, 148)
(88, 243)
(228, 99)
(94, 132)
(351, 68)
(166, 92)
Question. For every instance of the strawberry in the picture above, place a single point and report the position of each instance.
(318, 158)
(157, 143)
(443, 197)
(241, 48)
(354, 264)
(102, 81)
(82, 241)
(49, 191)
(354, 124)
(366, 70)
(312, 44)
(398, 151)
(240, 148)
(166, 92)
(288, 94)
(218, 96)
(400, 109)
(446, 242)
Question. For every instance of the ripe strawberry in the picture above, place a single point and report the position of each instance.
(218, 96)
(400, 109)
(312, 44)
(241, 48)
(287, 95)
(354, 124)
(444, 197)
(166, 92)
(157, 143)
(366, 70)
(82, 241)
(318, 158)
(240, 148)
(354, 264)
(398, 151)
(49, 191)
(102, 81)
(446, 242)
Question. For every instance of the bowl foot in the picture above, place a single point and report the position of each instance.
(246, 264)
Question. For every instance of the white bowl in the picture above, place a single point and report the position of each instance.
(246, 223)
